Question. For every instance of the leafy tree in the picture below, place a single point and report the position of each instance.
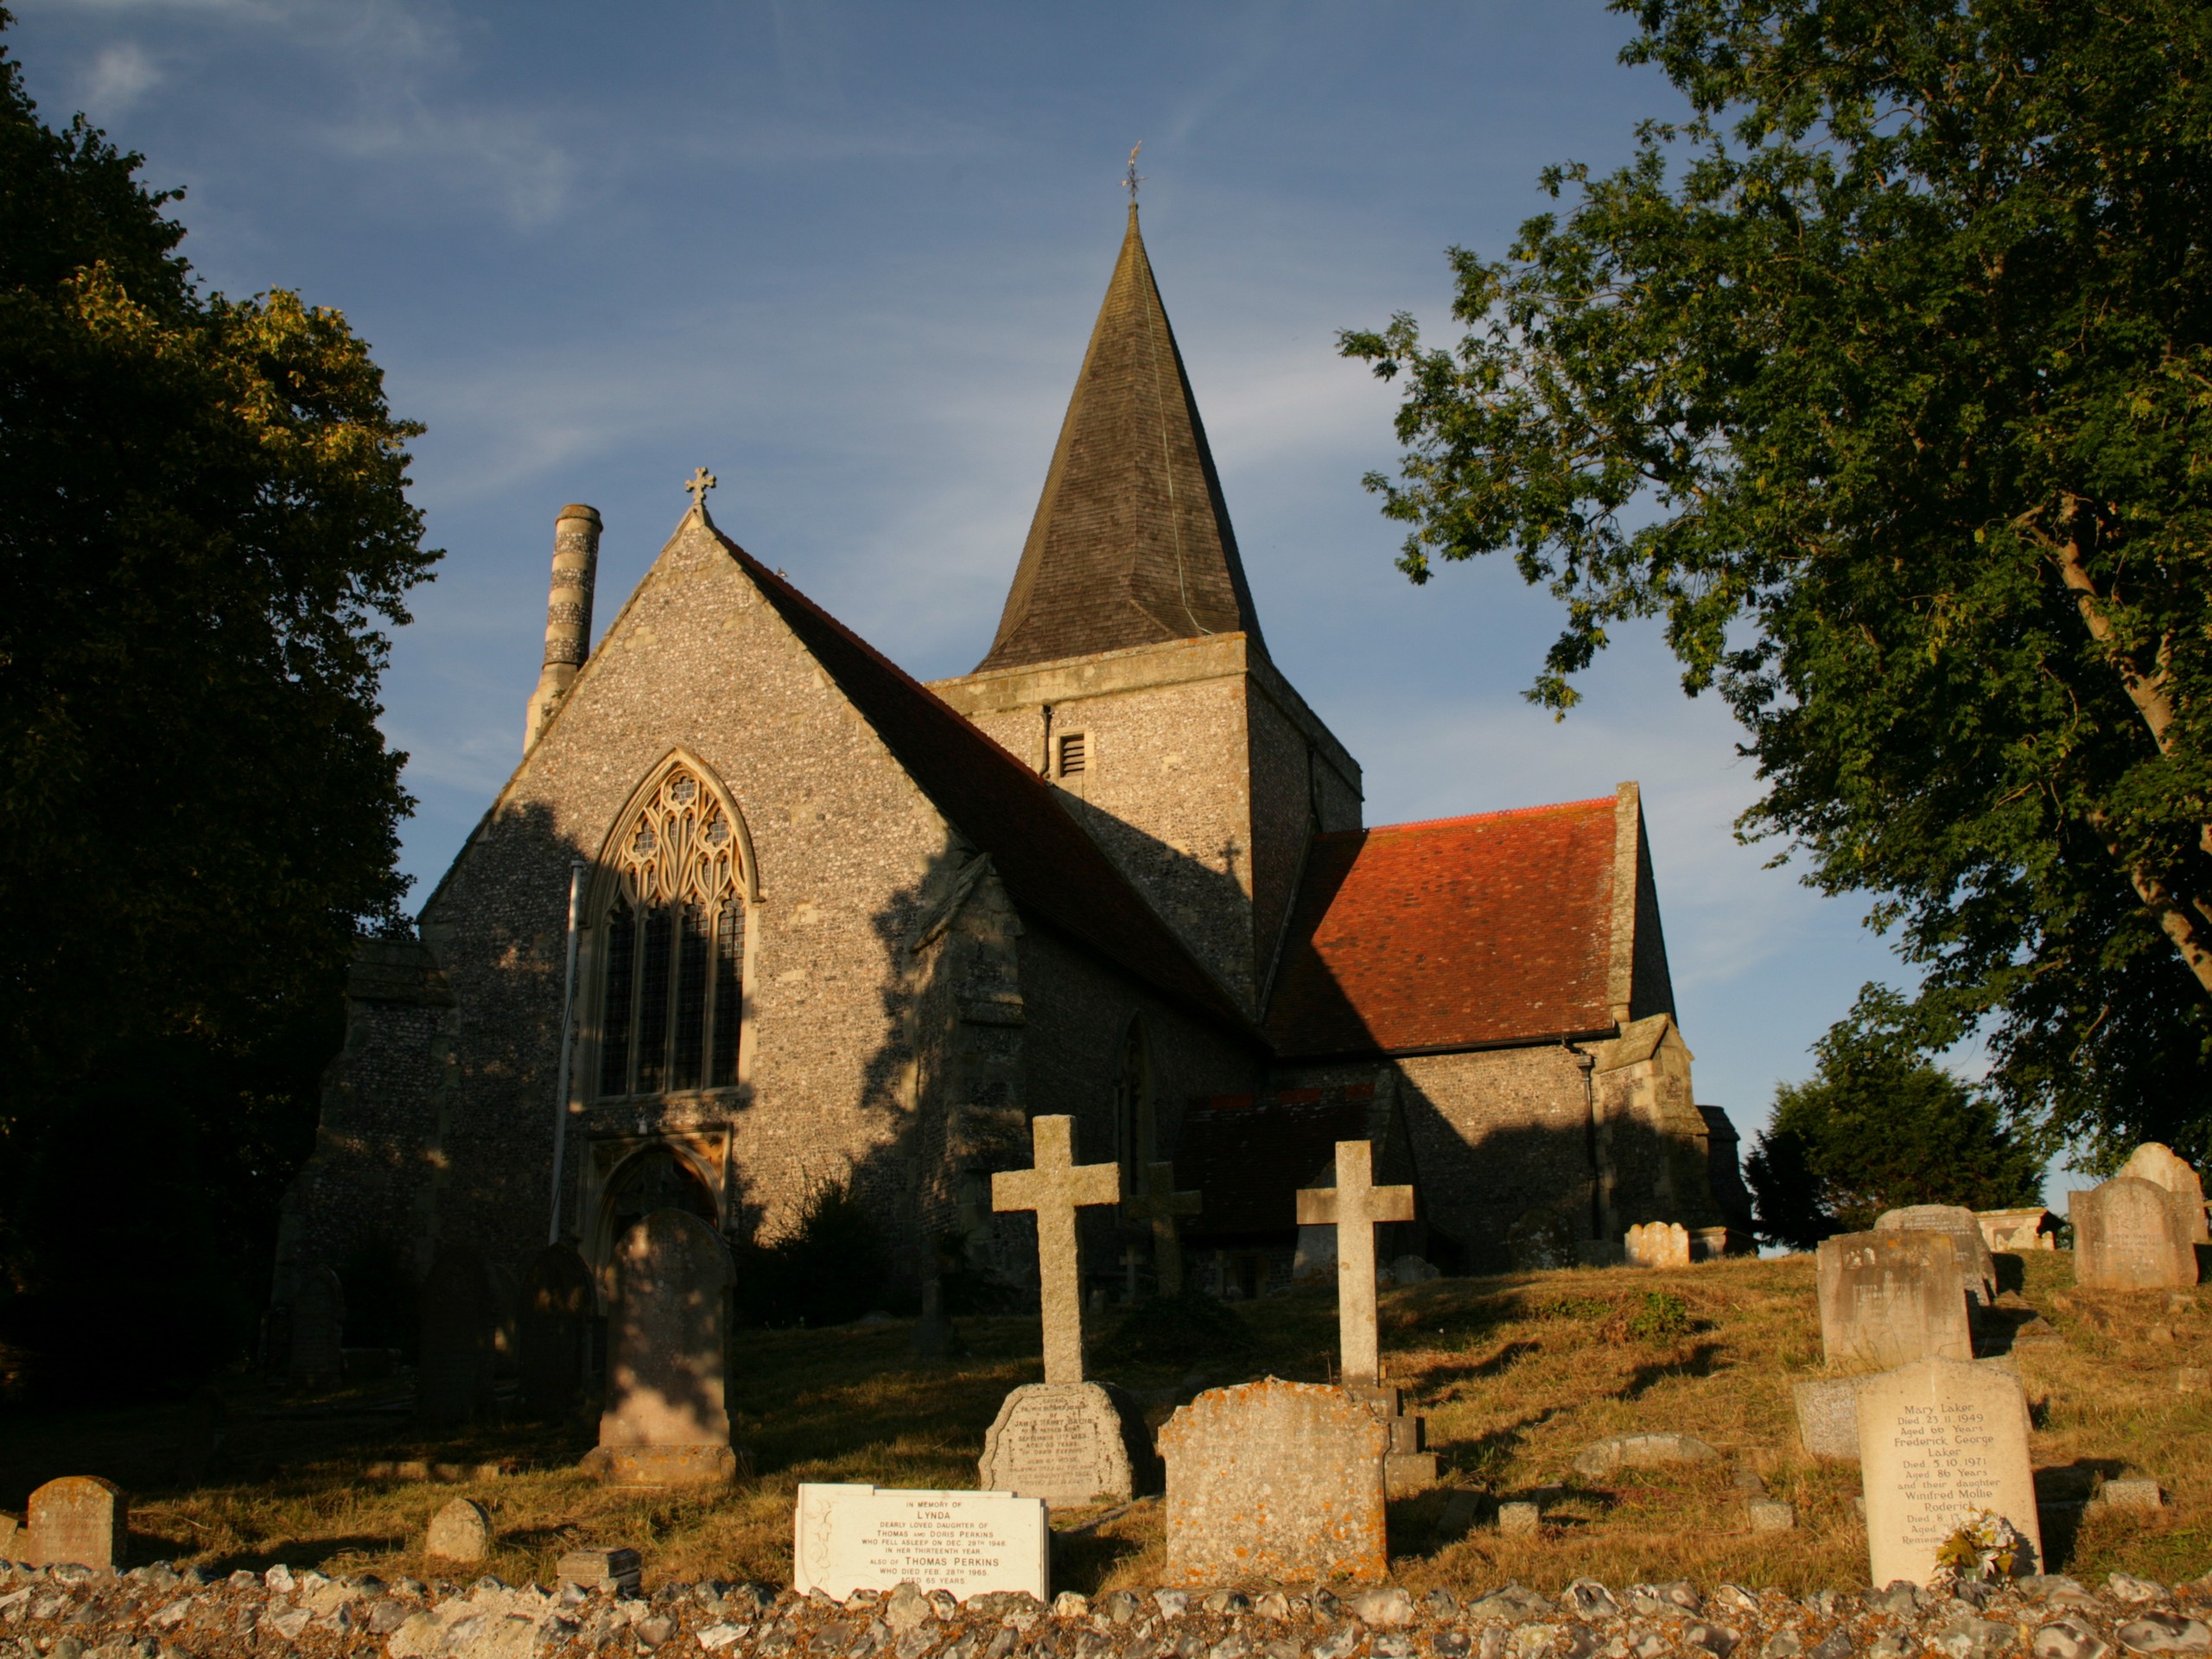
(1878, 1127)
(1886, 380)
(202, 525)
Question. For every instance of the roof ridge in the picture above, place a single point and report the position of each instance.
(1607, 801)
(980, 786)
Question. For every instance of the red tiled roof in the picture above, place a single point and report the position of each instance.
(1048, 863)
(1456, 934)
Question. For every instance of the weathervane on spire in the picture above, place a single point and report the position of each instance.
(702, 481)
(1134, 178)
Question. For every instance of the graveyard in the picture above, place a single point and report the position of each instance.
(1518, 1377)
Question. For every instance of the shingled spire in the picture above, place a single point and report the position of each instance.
(1131, 544)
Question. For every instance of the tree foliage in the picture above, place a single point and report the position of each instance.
(1885, 379)
(203, 528)
(1876, 1129)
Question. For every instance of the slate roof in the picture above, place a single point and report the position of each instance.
(1048, 863)
(1131, 544)
(1459, 933)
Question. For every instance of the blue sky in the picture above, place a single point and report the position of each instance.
(848, 255)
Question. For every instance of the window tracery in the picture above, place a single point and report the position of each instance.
(672, 994)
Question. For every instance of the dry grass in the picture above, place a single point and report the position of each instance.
(1515, 1373)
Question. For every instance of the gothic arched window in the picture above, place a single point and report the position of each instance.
(672, 994)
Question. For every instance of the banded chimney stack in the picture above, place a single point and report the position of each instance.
(567, 613)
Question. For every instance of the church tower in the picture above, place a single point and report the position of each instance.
(1128, 667)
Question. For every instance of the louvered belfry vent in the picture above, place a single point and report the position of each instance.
(1072, 754)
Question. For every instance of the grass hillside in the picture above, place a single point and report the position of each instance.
(1515, 1373)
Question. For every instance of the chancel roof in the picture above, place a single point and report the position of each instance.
(1460, 933)
(1049, 864)
(1131, 544)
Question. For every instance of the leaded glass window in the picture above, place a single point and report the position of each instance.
(672, 997)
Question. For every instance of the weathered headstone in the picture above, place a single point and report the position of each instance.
(461, 1531)
(8, 1525)
(1941, 1443)
(556, 1331)
(1959, 1224)
(1657, 1244)
(665, 1422)
(1065, 1439)
(1827, 1416)
(78, 1518)
(2128, 1233)
(1275, 1480)
(459, 1316)
(849, 1538)
(2152, 1162)
(318, 1328)
(2030, 1229)
(1068, 1443)
(1164, 1207)
(1889, 1298)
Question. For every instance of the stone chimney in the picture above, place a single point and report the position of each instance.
(567, 613)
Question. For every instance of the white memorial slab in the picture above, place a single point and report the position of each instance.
(849, 1538)
(1940, 1442)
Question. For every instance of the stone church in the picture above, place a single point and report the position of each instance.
(758, 911)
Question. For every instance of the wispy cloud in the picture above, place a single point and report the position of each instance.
(120, 75)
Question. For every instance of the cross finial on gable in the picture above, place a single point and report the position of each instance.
(1134, 178)
(702, 481)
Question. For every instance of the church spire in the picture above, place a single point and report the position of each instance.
(1131, 544)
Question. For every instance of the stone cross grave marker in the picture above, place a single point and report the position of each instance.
(1964, 1229)
(1065, 1439)
(2153, 1162)
(1889, 1299)
(79, 1519)
(2127, 1233)
(1164, 1207)
(1355, 1206)
(1275, 1480)
(318, 1328)
(849, 1538)
(1054, 1188)
(461, 1317)
(665, 1421)
(1941, 1443)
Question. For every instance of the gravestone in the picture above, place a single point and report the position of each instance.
(665, 1422)
(1827, 1416)
(1065, 1439)
(2032, 1229)
(614, 1571)
(1889, 1298)
(459, 1317)
(1160, 1204)
(2153, 1162)
(79, 1519)
(1354, 1207)
(1940, 1442)
(1068, 1443)
(849, 1538)
(1657, 1244)
(556, 1331)
(461, 1531)
(1275, 1480)
(318, 1329)
(2127, 1235)
(1963, 1230)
